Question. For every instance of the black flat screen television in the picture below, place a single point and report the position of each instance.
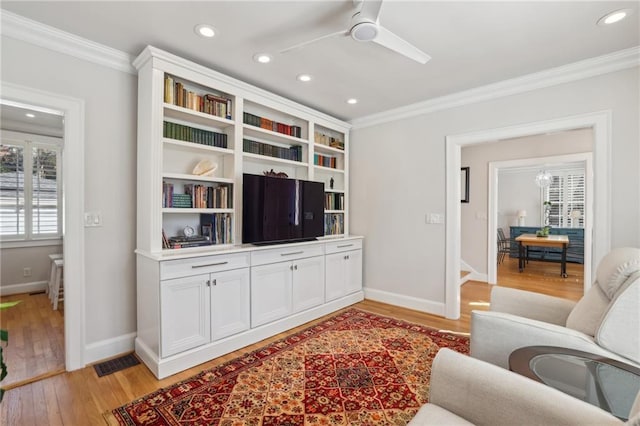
(279, 210)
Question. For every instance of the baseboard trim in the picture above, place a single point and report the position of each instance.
(7, 290)
(422, 305)
(109, 348)
(477, 276)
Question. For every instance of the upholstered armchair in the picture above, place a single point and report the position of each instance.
(467, 391)
(606, 321)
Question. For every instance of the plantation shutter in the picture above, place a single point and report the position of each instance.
(566, 193)
(12, 190)
(45, 192)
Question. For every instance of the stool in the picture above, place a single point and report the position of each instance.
(57, 293)
(52, 273)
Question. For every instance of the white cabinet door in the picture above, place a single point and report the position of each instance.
(353, 271)
(229, 303)
(270, 292)
(184, 314)
(308, 283)
(334, 276)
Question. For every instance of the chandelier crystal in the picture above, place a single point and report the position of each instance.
(543, 179)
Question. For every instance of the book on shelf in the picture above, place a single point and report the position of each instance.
(175, 93)
(184, 242)
(198, 196)
(333, 142)
(274, 126)
(333, 201)
(293, 153)
(219, 226)
(325, 161)
(333, 224)
(191, 134)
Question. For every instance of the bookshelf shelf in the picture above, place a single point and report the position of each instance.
(196, 117)
(328, 169)
(176, 210)
(272, 160)
(334, 211)
(257, 132)
(328, 149)
(176, 144)
(334, 191)
(195, 178)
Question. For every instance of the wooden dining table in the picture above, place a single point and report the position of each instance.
(526, 240)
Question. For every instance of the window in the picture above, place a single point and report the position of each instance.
(30, 193)
(566, 197)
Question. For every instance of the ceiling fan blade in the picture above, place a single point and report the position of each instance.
(304, 43)
(370, 10)
(391, 41)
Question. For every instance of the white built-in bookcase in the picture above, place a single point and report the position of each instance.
(164, 159)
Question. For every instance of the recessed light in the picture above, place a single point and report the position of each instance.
(304, 77)
(352, 101)
(204, 30)
(263, 58)
(615, 16)
(30, 115)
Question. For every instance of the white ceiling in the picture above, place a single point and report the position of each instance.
(471, 43)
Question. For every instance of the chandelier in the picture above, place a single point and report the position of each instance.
(543, 179)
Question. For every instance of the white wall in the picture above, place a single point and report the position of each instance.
(516, 192)
(398, 175)
(110, 159)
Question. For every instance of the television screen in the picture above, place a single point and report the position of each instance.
(281, 210)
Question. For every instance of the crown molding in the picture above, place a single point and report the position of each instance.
(616, 61)
(39, 34)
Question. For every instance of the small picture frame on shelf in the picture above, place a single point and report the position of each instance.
(464, 184)
(207, 231)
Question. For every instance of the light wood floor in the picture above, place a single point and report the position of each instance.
(80, 397)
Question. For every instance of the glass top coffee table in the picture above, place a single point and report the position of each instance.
(606, 383)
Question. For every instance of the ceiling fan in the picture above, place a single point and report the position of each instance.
(365, 27)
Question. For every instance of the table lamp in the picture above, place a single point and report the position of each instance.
(521, 215)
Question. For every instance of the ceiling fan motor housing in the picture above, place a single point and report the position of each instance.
(364, 31)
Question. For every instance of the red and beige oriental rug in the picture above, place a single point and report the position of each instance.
(355, 368)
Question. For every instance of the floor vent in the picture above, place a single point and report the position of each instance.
(116, 364)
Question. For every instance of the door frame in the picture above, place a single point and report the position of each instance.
(599, 121)
(73, 210)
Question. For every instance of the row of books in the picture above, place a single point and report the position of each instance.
(324, 161)
(293, 153)
(184, 242)
(333, 201)
(197, 196)
(333, 224)
(191, 134)
(274, 126)
(327, 140)
(218, 227)
(176, 94)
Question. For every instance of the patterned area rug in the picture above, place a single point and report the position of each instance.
(355, 368)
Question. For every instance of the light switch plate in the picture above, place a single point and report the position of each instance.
(92, 219)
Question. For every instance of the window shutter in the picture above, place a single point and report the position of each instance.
(12, 187)
(566, 195)
(45, 192)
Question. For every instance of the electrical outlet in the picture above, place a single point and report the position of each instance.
(26, 272)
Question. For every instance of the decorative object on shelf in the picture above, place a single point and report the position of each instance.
(331, 183)
(205, 168)
(271, 173)
(521, 215)
(464, 184)
(543, 179)
(188, 231)
(543, 232)
(547, 210)
(575, 218)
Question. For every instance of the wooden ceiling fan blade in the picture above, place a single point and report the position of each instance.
(391, 41)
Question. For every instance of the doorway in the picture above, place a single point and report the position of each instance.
(73, 207)
(31, 216)
(599, 122)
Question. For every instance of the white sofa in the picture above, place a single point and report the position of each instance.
(606, 321)
(468, 391)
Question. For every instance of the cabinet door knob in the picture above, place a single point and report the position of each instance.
(291, 267)
(295, 267)
(208, 283)
(215, 282)
(347, 257)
